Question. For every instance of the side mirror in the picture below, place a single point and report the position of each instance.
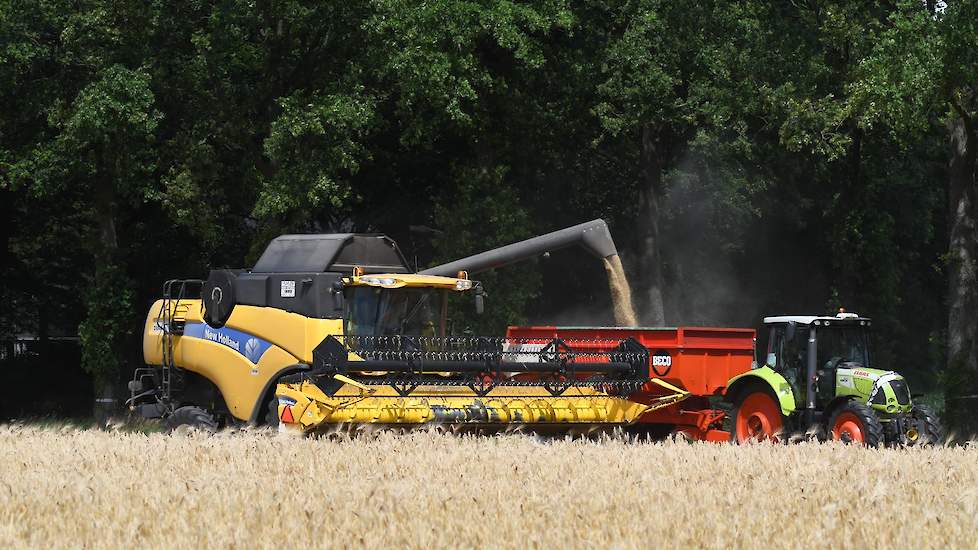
(789, 331)
(480, 301)
(337, 292)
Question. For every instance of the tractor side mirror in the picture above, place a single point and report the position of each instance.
(789, 331)
(480, 301)
(337, 292)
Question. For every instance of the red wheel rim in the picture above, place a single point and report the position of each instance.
(758, 417)
(849, 428)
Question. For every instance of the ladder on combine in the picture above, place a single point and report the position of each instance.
(169, 322)
(172, 319)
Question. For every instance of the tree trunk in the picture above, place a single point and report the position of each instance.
(105, 251)
(651, 309)
(962, 271)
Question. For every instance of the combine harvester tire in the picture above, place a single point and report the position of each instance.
(194, 417)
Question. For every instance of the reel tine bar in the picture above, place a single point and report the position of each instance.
(484, 362)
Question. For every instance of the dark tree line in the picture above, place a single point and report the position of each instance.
(752, 157)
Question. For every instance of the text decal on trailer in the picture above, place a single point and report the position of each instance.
(661, 363)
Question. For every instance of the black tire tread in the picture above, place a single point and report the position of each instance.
(192, 416)
(932, 424)
(873, 428)
(271, 412)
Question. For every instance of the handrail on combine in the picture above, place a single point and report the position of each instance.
(168, 326)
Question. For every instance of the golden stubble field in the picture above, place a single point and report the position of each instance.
(71, 488)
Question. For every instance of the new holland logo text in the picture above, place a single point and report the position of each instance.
(251, 347)
(222, 339)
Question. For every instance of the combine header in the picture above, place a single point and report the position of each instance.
(329, 329)
(536, 375)
(471, 380)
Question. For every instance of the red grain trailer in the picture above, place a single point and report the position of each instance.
(700, 360)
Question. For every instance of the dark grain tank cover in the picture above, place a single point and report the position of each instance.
(297, 273)
(334, 252)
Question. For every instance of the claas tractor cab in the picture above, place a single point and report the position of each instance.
(818, 377)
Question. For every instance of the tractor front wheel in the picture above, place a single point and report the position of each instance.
(928, 427)
(855, 422)
(757, 416)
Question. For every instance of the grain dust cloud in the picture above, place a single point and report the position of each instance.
(621, 293)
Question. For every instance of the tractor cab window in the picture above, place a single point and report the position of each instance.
(784, 353)
(841, 344)
(789, 355)
(374, 311)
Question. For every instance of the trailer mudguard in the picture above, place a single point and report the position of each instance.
(769, 377)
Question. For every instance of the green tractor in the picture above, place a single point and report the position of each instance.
(818, 379)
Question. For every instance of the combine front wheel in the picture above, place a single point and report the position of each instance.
(194, 417)
(855, 422)
(757, 416)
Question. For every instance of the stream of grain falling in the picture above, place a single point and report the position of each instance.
(621, 293)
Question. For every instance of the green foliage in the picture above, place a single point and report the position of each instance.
(480, 213)
(318, 142)
(107, 325)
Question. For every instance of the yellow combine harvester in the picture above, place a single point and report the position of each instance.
(334, 328)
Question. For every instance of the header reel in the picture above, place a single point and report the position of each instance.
(617, 367)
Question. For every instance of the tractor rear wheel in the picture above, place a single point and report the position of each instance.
(928, 426)
(757, 416)
(855, 422)
(194, 417)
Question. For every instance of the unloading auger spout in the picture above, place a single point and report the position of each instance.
(594, 236)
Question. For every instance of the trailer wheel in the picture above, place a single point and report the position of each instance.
(855, 422)
(194, 417)
(757, 416)
(928, 425)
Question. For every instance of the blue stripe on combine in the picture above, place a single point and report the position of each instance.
(249, 346)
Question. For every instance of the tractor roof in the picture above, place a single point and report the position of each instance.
(809, 319)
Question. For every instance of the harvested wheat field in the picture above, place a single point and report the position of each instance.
(76, 488)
